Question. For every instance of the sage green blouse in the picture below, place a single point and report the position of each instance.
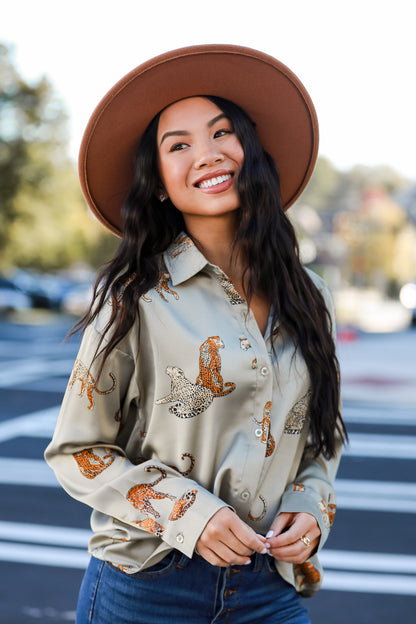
(204, 415)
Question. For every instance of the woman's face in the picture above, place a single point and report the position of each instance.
(200, 158)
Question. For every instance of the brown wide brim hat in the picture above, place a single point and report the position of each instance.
(267, 90)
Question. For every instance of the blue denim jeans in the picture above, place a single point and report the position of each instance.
(179, 589)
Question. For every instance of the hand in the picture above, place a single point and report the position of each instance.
(227, 540)
(288, 528)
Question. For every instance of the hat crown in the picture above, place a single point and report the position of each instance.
(269, 92)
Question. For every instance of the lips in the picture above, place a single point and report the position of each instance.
(214, 179)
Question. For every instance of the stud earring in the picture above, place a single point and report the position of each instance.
(162, 197)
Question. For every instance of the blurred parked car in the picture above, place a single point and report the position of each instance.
(77, 300)
(45, 290)
(11, 297)
(408, 299)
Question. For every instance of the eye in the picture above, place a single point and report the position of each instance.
(222, 132)
(177, 147)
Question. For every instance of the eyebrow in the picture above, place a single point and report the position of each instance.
(211, 123)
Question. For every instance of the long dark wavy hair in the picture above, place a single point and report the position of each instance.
(272, 266)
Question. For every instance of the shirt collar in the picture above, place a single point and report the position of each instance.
(183, 259)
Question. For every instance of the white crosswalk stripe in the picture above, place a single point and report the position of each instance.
(66, 547)
(384, 573)
(385, 496)
(42, 423)
(37, 424)
(387, 446)
(15, 374)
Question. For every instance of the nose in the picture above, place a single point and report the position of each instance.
(206, 154)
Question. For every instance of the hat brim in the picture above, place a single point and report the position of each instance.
(267, 90)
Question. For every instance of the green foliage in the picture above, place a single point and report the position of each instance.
(330, 190)
(45, 224)
(44, 221)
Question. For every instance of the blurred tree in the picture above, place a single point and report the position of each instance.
(364, 236)
(380, 240)
(44, 222)
(330, 190)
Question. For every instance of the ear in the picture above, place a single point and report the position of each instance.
(161, 194)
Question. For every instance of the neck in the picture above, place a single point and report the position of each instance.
(215, 239)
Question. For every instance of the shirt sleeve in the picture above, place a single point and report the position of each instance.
(313, 490)
(87, 453)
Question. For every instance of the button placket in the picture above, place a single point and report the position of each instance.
(260, 363)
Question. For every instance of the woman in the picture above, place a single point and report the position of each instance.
(201, 421)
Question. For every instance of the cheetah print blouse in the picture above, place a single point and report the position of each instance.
(204, 416)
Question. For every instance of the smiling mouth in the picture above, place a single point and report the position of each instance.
(214, 181)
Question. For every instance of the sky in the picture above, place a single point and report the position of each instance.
(356, 58)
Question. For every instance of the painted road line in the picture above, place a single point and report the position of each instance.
(384, 446)
(367, 561)
(44, 534)
(398, 584)
(26, 371)
(35, 472)
(389, 496)
(364, 488)
(44, 555)
(379, 415)
(40, 424)
(331, 559)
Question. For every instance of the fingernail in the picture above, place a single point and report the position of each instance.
(269, 534)
(247, 563)
(264, 551)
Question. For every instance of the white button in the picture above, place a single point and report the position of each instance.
(258, 433)
(245, 495)
(179, 538)
(264, 371)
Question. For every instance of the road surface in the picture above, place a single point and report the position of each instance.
(369, 559)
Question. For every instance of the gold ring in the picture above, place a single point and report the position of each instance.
(305, 539)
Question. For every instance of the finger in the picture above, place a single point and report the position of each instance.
(303, 524)
(247, 537)
(279, 524)
(230, 534)
(289, 546)
(222, 556)
(289, 535)
(294, 553)
(227, 539)
(224, 543)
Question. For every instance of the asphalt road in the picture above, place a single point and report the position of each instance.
(370, 557)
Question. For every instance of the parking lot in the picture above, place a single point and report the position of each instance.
(370, 557)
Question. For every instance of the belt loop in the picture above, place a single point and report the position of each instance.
(258, 562)
(182, 560)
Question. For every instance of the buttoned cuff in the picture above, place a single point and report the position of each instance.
(307, 502)
(184, 531)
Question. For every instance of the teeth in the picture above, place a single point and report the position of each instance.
(214, 181)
